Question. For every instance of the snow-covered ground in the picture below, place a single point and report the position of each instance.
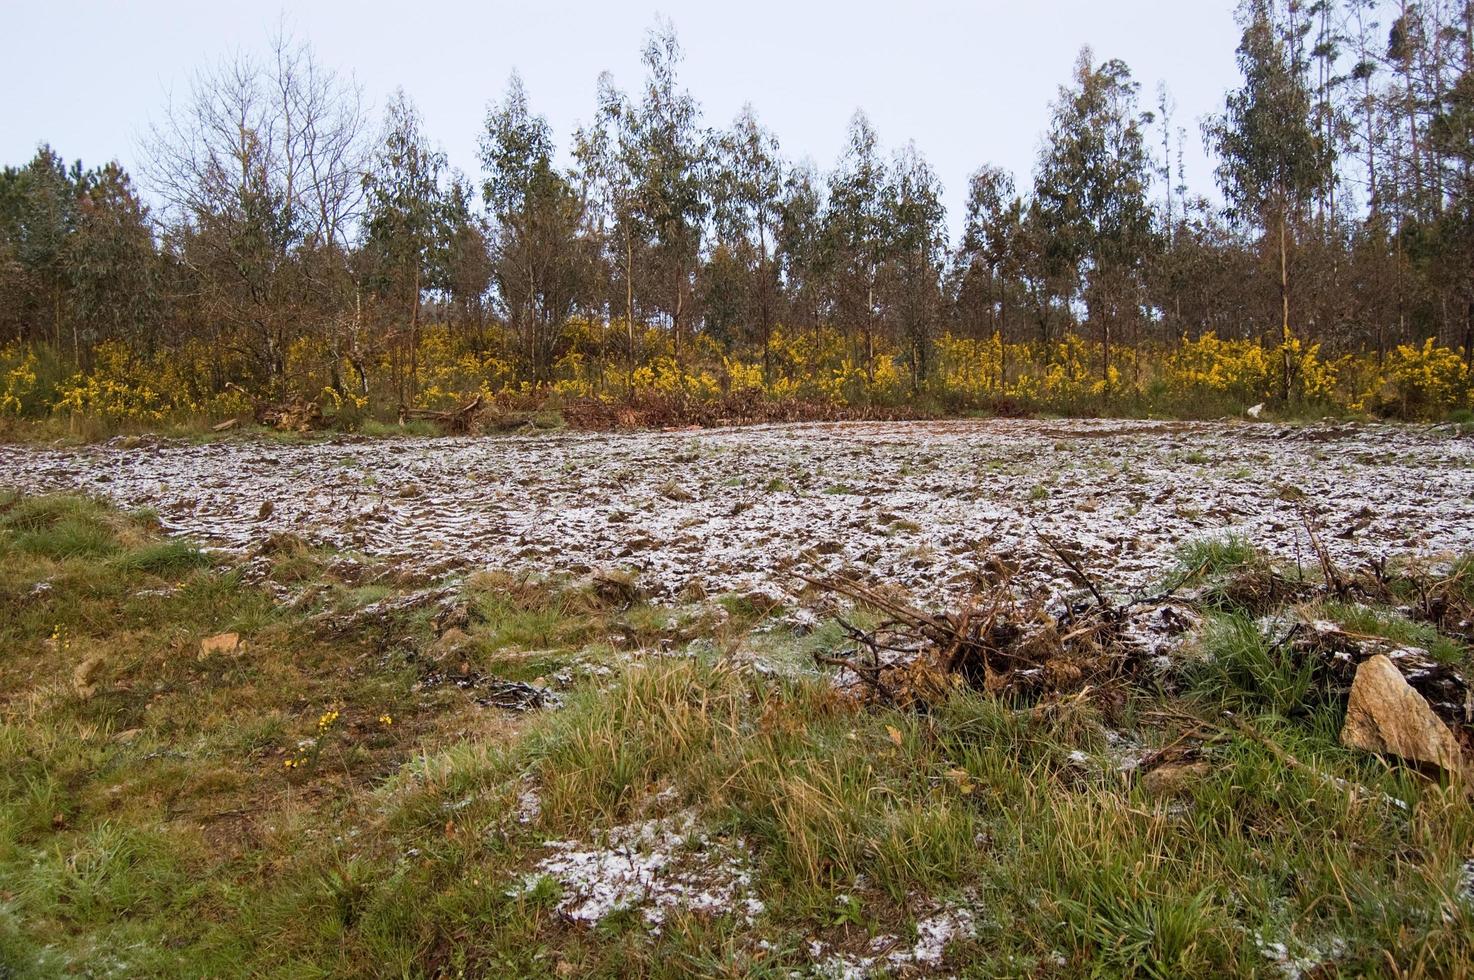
(923, 504)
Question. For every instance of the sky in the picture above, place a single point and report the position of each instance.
(969, 83)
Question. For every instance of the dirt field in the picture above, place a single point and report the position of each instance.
(921, 504)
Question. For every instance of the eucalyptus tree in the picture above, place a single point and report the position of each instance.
(608, 168)
(537, 258)
(404, 223)
(801, 247)
(1272, 159)
(672, 195)
(748, 203)
(918, 247)
(987, 254)
(857, 234)
(1091, 189)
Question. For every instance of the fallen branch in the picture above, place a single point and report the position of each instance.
(456, 420)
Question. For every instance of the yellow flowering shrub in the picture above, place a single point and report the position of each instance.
(451, 374)
(740, 376)
(1196, 377)
(1423, 382)
(18, 371)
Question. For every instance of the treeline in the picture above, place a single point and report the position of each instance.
(287, 230)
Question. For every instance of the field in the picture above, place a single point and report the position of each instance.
(920, 504)
(591, 705)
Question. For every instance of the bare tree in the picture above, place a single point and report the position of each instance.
(259, 173)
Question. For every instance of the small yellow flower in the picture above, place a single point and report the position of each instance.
(385, 719)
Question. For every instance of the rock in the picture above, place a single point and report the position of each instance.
(1172, 778)
(451, 642)
(222, 643)
(1385, 715)
(85, 677)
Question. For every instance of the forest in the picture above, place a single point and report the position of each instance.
(280, 245)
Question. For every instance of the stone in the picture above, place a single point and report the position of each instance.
(1386, 716)
(222, 643)
(86, 676)
(1172, 778)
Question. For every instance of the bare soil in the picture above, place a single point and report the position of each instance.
(927, 505)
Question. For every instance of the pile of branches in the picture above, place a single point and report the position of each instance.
(455, 421)
(294, 415)
(1002, 645)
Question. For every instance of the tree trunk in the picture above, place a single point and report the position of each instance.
(1285, 306)
(629, 296)
(414, 339)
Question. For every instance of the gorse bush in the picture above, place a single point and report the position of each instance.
(1203, 377)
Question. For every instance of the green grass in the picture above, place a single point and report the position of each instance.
(1216, 556)
(150, 827)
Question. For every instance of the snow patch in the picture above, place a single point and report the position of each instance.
(933, 934)
(656, 866)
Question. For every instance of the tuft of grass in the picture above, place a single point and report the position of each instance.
(1216, 556)
(1240, 665)
(163, 558)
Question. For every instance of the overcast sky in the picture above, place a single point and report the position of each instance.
(968, 82)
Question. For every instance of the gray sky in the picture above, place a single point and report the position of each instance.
(969, 82)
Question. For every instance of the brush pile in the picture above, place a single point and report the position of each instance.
(1003, 644)
(1033, 651)
(455, 421)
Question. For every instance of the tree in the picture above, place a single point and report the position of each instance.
(671, 194)
(1091, 191)
(259, 170)
(987, 253)
(110, 261)
(801, 246)
(537, 260)
(748, 200)
(38, 212)
(405, 218)
(609, 166)
(857, 233)
(1272, 159)
(917, 224)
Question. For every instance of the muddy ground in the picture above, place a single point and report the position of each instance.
(923, 504)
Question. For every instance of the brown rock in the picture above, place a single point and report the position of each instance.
(1173, 777)
(223, 643)
(451, 642)
(85, 677)
(1385, 715)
